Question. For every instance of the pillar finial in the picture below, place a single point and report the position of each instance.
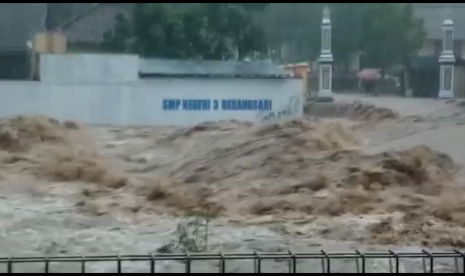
(325, 93)
(326, 13)
(448, 17)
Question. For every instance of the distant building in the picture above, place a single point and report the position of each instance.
(19, 22)
(423, 71)
(86, 31)
(433, 15)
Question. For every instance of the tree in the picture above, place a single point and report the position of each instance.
(293, 30)
(116, 40)
(414, 33)
(384, 32)
(347, 31)
(190, 30)
(390, 34)
(233, 26)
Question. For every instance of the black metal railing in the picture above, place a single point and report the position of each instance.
(360, 260)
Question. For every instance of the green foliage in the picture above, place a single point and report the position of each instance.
(390, 34)
(293, 30)
(347, 32)
(384, 33)
(116, 40)
(196, 30)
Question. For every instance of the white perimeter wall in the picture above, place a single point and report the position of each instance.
(141, 102)
(106, 89)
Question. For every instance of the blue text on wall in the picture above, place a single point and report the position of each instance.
(218, 104)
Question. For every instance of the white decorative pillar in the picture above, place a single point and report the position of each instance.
(447, 60)
(325, 80)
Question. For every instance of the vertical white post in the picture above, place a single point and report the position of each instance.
(447, 60)
(325, 80)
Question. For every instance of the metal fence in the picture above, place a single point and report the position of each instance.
(360, 259)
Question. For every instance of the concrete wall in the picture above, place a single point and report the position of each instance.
(142, 102)
(88, 68)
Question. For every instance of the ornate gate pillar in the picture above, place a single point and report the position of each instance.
(447, 60)
(325, 80)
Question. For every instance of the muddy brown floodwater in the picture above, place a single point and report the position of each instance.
(365, 176)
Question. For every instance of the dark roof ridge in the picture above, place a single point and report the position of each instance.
(79, 16)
